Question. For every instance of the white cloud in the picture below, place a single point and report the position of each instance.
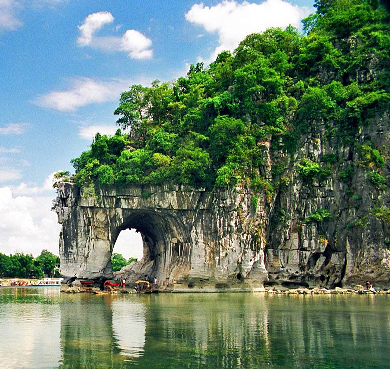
(137, 45)
(27, 224)
(27, 189)
(13, 128)
(91, 24)
(88, 133)
(129, 244)
(84, 91)
(13, 150)
(8, 19)
(9, 174)
(233, 21)
(133, 42)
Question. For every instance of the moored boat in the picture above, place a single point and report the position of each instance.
(143, 286)
(49, 282)
(112, 283)
(87, 282)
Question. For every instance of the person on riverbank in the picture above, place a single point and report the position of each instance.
(370, 287)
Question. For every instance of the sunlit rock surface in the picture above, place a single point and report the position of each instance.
(191, 238)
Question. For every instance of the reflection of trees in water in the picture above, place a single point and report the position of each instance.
(192, 330)
(329, 330)
(206, 331)
(253, 330)
(223, 331)
(91, 335)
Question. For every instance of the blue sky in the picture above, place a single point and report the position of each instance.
(63, 65)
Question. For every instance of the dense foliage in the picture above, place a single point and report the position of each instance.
(20, 265)
(208, 128)
(118, 261)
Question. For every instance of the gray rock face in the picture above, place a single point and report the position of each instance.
(352, 244)
(191, 238)
(238, 239)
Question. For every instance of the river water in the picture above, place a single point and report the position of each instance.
(42, 328)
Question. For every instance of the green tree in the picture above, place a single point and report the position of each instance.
(23, 266)
(118, 262)
(47, 261)
(105, 175)
(5, 266)
(132, 109)
(190, 165)
(223, 135)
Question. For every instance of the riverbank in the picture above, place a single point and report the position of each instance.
(29, 282)
(357, 290)
(96, 290)
(18, 282)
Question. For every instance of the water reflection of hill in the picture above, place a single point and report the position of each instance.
(254, 331)
(100, 332)
(192, 331)
(207, 331)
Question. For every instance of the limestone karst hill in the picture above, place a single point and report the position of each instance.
(271, 165)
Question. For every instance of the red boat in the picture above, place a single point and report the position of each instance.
(87, 282)
(112, 283)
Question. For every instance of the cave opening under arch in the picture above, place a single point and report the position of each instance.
(164, 245)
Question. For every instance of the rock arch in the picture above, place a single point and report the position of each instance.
(215, 240)
(192, 238)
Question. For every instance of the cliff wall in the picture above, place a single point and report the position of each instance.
(332, 227)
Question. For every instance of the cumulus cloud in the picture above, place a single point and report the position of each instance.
(83, 91)
(27, 224)
(88, 133)
(233, 21)
(28, 189)
(137, 45)
(13, 128)
(8, 19)
(91, 24)
(133, 42)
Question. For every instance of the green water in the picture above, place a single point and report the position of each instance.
(41, 328)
